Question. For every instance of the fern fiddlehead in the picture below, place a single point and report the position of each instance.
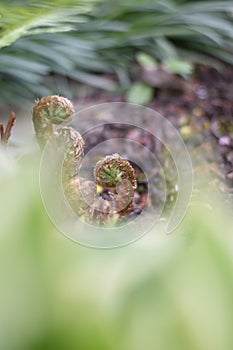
(47, 111)
(112, 171)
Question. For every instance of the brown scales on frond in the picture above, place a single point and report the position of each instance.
(112, 171)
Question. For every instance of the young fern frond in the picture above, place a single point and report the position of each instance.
(48, 111)
(112, 171)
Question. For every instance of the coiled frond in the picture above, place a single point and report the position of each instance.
(47, 111)
(111, 171)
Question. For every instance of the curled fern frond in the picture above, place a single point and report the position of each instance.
(47, 111)
(112, 171)
(73, 143)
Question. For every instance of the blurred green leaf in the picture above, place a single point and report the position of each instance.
(146, 60)
(183, 68)
(173, 292)
(139, 93)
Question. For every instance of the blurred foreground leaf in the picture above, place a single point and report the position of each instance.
(165, 292)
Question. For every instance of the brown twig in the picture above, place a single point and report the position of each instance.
(1, 131)
(5, 135)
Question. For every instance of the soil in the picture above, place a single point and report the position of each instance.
(203, 113)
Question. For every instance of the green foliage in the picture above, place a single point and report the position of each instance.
(173, 292)
(179, 67)
(139, 93)
(110, 174)
(104, 44)
(25, 67)
(22, 18)
(146, 60)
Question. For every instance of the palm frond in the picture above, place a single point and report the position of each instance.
(25, 18)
